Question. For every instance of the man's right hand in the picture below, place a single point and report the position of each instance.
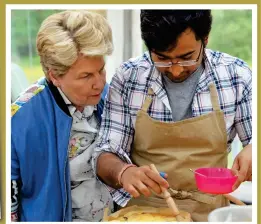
(141, 180)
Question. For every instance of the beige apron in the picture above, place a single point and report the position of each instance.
(176, 147)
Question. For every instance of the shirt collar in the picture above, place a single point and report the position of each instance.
(207, 75)
(66, 100)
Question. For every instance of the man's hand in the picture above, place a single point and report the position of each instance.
(141, 180)
(242, 166)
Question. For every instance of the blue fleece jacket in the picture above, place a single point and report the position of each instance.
(39, 143)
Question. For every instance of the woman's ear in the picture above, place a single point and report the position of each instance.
(54, 79)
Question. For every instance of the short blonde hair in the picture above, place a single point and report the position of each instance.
(63, 36)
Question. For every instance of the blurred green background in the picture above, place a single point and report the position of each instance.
(24, 28)
(231, 33)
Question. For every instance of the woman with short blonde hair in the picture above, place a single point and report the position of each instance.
(55, 123)
(63, 36)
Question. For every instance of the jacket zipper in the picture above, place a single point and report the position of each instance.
(66, 161)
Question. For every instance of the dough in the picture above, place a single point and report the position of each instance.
(145, 214)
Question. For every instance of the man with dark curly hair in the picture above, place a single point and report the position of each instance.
(178, 106)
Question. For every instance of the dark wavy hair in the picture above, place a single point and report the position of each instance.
(160, 29)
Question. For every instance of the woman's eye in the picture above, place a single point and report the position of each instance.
(102, 71)
(85, 76)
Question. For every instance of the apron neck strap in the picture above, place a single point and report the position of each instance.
(213, 94)
(214, 97)
(148, 100)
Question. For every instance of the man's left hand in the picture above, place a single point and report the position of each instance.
(242, 166)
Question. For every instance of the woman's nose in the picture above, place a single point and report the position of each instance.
(99, 81)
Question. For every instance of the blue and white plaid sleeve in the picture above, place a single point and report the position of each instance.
(243, 117)
(116, 131)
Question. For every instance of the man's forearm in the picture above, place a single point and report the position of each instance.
(108, 168)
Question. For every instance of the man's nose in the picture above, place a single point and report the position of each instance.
(176, 70)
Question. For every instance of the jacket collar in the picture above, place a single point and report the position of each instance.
(58, 98)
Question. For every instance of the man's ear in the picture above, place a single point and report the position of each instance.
(54, 79)
(205, 41)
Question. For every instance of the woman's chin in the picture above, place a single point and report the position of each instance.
(93, 100)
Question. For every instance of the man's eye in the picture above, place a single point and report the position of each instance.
(187, 57)
(162, 59)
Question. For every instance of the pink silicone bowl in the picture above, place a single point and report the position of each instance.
(215, 180)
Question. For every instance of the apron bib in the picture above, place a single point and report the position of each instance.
(176, 147)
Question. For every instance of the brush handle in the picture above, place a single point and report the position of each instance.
(233, 199)
(172, 205)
